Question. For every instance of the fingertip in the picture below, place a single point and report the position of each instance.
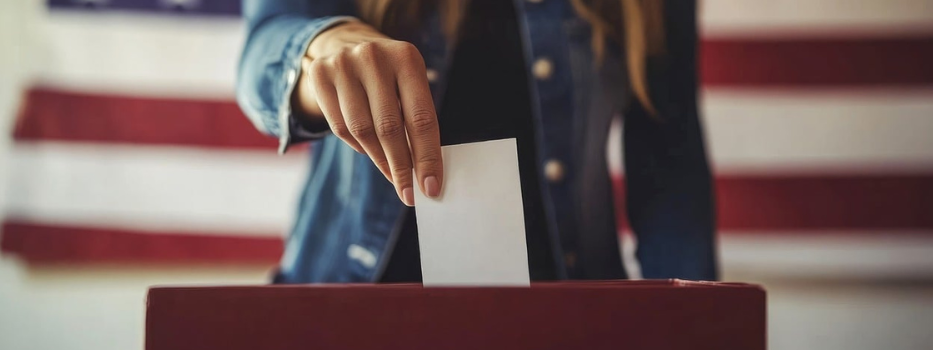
(432, 186)
(408, 196)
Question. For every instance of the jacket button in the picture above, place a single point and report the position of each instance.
(291, 75)
(432, 75)
(554, 171)
(542, 69)
(570, 259)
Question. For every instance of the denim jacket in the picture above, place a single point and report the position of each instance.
(349, 215)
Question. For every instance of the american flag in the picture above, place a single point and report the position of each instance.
(128, 145)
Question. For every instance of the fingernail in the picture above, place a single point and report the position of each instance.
(408, 196)
(431, 187)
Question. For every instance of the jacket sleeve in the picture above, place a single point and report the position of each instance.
(669, 185)
(278, 34)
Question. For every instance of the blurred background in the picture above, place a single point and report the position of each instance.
(125, 162)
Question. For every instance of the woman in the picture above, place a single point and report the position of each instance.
(362, 79)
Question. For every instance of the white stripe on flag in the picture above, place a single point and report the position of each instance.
(886, 131)
(812, 131)
(838, 255)
(153, 188)
(142, 54)
(803, 18)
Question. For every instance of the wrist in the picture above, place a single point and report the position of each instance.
(303, 99)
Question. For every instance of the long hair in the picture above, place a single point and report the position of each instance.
(637, 24)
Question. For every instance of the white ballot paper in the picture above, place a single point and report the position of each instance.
(474, 232)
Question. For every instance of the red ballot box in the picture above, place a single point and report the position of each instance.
(670, 314)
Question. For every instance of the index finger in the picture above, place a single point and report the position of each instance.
(421, 124)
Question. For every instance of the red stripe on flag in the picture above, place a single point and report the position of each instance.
(798, 203)
(825, 202)
(832, 62)
(54, 115)
(40, 243)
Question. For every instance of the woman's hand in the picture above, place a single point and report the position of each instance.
(373, 92)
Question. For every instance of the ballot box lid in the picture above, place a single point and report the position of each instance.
(661, 314)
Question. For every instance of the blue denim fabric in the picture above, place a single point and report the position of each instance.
(348, 214)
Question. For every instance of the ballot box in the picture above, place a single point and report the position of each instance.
(666, 314)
